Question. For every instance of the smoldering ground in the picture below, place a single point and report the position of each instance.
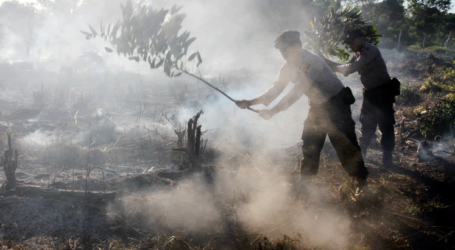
(95, 111)
(246, 201)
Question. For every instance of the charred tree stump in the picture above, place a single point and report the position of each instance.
(190, 141)
(180, 136)
(197, 143)
(10, 166)
(193, 146)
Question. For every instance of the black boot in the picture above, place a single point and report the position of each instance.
(387, 159)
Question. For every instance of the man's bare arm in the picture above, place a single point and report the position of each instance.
(288, 100)
(333, 65)
(354, 65)
(266, 98)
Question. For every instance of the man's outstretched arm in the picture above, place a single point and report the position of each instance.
(354, 65)
(299, 89)
(333, 65)
(266, 98)
(271, 94)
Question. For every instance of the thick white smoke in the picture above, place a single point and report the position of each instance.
(235, 39)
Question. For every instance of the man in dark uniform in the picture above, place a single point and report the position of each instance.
(330, 107)
(377, 106)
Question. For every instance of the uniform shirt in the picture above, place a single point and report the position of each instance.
(312, 77)
(370, 65)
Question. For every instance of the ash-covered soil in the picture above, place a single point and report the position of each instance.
(97, 171)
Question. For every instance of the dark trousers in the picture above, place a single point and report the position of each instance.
(332, 118)
(377, 110)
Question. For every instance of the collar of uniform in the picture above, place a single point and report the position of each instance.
(365, 47)
(303, 55)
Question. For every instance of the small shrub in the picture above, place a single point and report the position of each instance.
(437, 49)
(442, 80)
(414, 210)
(431, 87)
(414, 47)
(408, 96)
(437, 118)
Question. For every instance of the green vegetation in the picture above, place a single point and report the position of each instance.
(414, 210)
(441, 81)
(426, 23)
(437, 49)
(150, 35)
(437, 114)
(408, 95)
(438, 117)
(330, 30)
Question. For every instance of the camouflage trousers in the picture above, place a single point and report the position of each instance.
(377, 111)
(333, 119)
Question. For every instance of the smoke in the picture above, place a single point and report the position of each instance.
(235, 39)
(241, 202)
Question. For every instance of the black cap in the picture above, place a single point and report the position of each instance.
(351, 36)
(287, 38)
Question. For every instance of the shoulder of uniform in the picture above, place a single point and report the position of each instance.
(310, 57)
(306, 54)
(285, 68)
(369, 48)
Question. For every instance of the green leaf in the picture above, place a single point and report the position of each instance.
(159, 63)
(179, 56)
(189, 42)
(115, 29)
(152, 63)
(135, 58)
(183, 37)
(108, 30)
(175, 9)
(93, 30)
(192, 56)
(85, 33)
(102, 30)
(199, 59)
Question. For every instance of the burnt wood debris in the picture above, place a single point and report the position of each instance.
(194, 147)
(9, 166)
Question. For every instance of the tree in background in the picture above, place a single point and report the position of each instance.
(327, 32)
(427, 16)
(17, 23)
(388, 15)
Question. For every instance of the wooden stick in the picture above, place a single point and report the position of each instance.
(215, 88)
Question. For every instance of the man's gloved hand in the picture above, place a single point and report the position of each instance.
(266, 113)
(243, 104)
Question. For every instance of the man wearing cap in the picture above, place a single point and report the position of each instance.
(330, 111)
(378, 99)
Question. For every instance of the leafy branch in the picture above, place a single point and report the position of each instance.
(328, 32)
(153, 36)
(146, 34)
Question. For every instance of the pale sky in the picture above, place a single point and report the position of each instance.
(80, 1)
